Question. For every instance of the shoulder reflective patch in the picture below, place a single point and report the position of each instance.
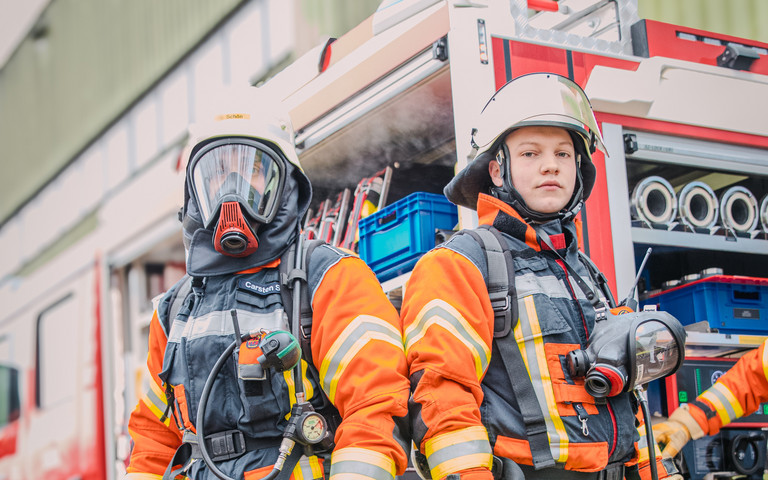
(253, 287)
(439, 312)
(353, 463)
(356, 335)
(459, 450)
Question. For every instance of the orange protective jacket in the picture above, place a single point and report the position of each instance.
(739, 392)
(358, 359)
(462, 408)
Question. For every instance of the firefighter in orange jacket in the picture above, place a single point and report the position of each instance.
(739, 392)
(221, 341)
(495, 400)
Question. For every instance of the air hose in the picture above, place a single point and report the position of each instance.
(281, 358)
(286, 446)
(648, 431)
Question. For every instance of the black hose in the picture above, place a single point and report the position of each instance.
(648, 433)
(201, 414)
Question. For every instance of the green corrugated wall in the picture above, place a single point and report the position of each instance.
(94, 57)
(740, 18)
(91, 60)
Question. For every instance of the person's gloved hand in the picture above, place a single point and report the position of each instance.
(676, 431)
(479, 473)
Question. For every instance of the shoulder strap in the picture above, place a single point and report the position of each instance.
(178, 298)
(598, 278)
(501, 279)
(288, 275)
(501, 289)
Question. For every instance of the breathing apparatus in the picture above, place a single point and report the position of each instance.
(627, 350)
(280, 351)
(241, 168)
(237, 183)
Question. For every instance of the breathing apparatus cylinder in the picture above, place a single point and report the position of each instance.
(628, 350)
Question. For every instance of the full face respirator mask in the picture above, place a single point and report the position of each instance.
(628, 350)
(237, 183)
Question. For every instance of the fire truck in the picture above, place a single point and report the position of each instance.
(384, 113)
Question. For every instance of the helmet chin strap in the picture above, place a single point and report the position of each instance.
(508, 194)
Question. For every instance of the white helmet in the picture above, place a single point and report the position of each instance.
(537, 99)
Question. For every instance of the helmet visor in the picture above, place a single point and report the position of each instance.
(238, 170)
(536, 99)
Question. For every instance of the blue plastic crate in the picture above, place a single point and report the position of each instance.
(730, 304)
(394, 238)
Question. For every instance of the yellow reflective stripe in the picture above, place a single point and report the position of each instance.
(458, 450)
(356, 335)
(155, 400)
(642, 444)
(439, 312)
(354, 463)
(538, 372)
(308, 468)
(765, 359)
(725, 402)
(308, 390)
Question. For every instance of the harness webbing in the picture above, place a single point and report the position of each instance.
(501, 278)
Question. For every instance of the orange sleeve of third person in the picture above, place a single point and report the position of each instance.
(155, 438)
(739, 392)
(448, 329)
(358, 350)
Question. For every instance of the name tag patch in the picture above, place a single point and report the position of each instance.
(259, 289)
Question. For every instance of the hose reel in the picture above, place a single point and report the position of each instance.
(654, 202)
(764, 213)
(738, 210)
(698, 206)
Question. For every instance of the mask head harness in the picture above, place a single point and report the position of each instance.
(237, 183)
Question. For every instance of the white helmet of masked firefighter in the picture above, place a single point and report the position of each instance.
(240, 154)
(537, 99)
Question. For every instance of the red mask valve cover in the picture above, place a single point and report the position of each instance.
(233, 236)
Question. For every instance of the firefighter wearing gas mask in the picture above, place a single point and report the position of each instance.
(237, 390)
(737, 393)
(493, 396)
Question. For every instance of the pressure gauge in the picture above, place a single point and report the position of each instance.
(312, 427)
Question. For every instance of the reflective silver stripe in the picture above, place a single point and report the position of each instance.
(362, 330)
(157, 401)
(726, 404)
(360, 463)
(220, 323)
(530, 283)
(439, 312)
(308, 468)
(459, 450)
(530, 340)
